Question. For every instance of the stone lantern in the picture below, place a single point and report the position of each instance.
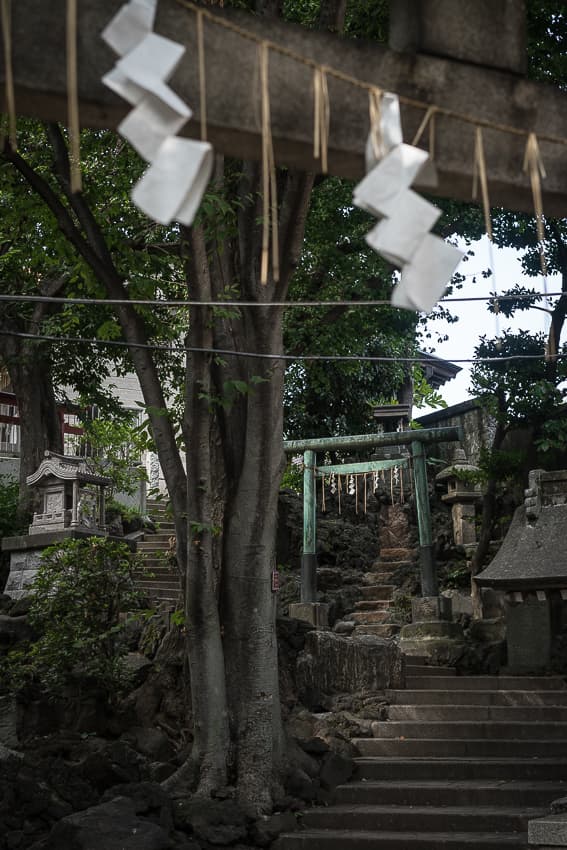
(462, 494)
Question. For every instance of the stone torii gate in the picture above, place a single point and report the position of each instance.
(464, 56)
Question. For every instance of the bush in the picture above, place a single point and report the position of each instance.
(10, 521)
(79, 592)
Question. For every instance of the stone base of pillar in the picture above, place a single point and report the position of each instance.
(440, 642)
(428, 609)
(315, 613)
(548, 832)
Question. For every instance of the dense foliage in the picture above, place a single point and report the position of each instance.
(81, 588)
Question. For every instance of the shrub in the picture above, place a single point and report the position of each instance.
(11, 522)
(78, 594)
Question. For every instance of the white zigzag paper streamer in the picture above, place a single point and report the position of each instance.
(173, 185)
(402, 236)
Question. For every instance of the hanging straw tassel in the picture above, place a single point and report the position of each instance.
(375, 116)
(6, 16)
(202, 74)
(269, 189)
(428, 118)
(73, 98)
(480, 176)
(533, 166)
(323, 503)
(321, 117)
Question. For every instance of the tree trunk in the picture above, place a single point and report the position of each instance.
(248, 602)
(206, 657)
(29, 368)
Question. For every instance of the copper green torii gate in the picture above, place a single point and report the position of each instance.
(417, 440)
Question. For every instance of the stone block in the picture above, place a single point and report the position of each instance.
(486, 32)
(528, 634)
(23, 569)
(550, 831)
(434, 629)
(461, 603)
(488, 631)
(331, 664)
(464, 530)
(426, 609)
(315, 613)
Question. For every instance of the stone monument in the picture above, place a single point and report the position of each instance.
(71, 505)
(531, 569)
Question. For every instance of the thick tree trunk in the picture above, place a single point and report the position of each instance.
(248, 602)
(206, 656)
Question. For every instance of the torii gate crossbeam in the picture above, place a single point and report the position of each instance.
(462, 55)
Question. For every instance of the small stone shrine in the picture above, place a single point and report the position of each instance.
(531, 569)
(72, 496)
(72, 504)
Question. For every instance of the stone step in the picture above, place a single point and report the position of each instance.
(392, 769)
(369, 616)
(147, 547)
(383, 630)
(463, 713)
(398, 554)
(422, 818)
(373, 605)
(378, 591)
(434, 748)
(162, 540)
(160, 594)
(475, 730)
(415, 669)
(370, 579)
(432, 792)
(359, 840)
(485, 683)
(166, 580)
(477, 697)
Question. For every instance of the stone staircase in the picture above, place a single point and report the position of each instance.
(159, 581)
(462, 762)
(373, 613)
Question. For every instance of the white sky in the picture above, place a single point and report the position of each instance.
(474, 318)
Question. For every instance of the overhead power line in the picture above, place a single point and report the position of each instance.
(288, 358)
(51, 299)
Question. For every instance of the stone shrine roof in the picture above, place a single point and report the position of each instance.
(66, 468)
(533, 554)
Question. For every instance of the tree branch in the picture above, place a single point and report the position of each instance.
(76, 200)
(64, 221)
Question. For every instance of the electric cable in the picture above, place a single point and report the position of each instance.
(292, 358)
